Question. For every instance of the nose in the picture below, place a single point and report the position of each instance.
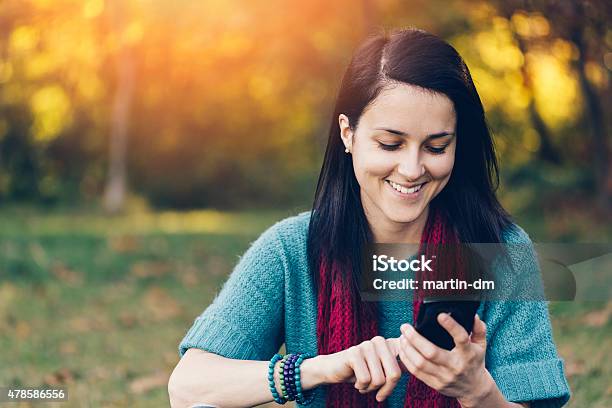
(411, 166)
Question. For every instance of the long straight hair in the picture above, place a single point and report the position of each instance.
(338, 230)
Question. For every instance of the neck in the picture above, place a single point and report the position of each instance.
(386, 231)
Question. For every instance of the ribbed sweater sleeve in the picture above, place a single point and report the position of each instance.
(521, 354)
(245, 320)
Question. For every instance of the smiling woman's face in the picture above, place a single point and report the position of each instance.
(403, 152)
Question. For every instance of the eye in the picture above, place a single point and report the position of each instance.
(437, 150)
(388, 147)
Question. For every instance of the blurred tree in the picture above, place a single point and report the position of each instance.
(585, 25)
(116, 185)
(546, 149)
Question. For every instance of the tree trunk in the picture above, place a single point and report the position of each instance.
(116, 186)
(595, 117)
(546, 150)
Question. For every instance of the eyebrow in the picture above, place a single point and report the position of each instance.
(432, 136)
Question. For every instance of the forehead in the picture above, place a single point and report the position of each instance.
(410, 109)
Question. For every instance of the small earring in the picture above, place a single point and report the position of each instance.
(346, 150)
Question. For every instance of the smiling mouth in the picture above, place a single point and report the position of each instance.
(405, 190)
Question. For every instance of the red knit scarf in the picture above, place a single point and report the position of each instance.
(343, 320)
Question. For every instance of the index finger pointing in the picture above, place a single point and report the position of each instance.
(457, 332)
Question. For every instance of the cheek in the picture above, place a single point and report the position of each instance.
(371, 164)
(441, 167)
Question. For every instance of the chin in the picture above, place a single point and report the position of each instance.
(403, 216)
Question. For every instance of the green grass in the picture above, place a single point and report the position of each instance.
(99, 304)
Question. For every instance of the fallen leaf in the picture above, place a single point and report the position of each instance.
(128, 320)
(22, 330)
(160, 304)
(100, 373)
(150, 269)
(574, 367)
(124, 243)
(96, 322)
(189, 276)
(61, 376)
(599, 318)
(64, 274)
(68, 347)
(149, 382)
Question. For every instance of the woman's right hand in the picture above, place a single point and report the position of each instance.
(371, 365)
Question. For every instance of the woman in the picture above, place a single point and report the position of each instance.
(409, 160)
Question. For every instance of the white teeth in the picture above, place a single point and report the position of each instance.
(403, 189)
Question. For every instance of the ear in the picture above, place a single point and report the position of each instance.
(346, 134)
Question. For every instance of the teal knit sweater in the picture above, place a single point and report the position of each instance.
(269, 299)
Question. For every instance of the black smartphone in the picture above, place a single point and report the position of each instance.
(427, 325)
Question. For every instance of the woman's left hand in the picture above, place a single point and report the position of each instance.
(458, 373)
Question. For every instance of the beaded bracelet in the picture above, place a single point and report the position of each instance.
(290, 382)
(289, 375)
(302, 398)
(277, 398)
(281, 375)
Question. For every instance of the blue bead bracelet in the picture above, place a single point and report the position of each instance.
(277, 398)
(302, 398)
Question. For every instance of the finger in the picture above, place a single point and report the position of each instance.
(393, 345)
(360, 368)
(457, 332)
(425, 347)
(377, 375)
(407, 355)
(479, 333)
(417, 360)
(390, 366)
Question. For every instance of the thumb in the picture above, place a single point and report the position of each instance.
(479, 333)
